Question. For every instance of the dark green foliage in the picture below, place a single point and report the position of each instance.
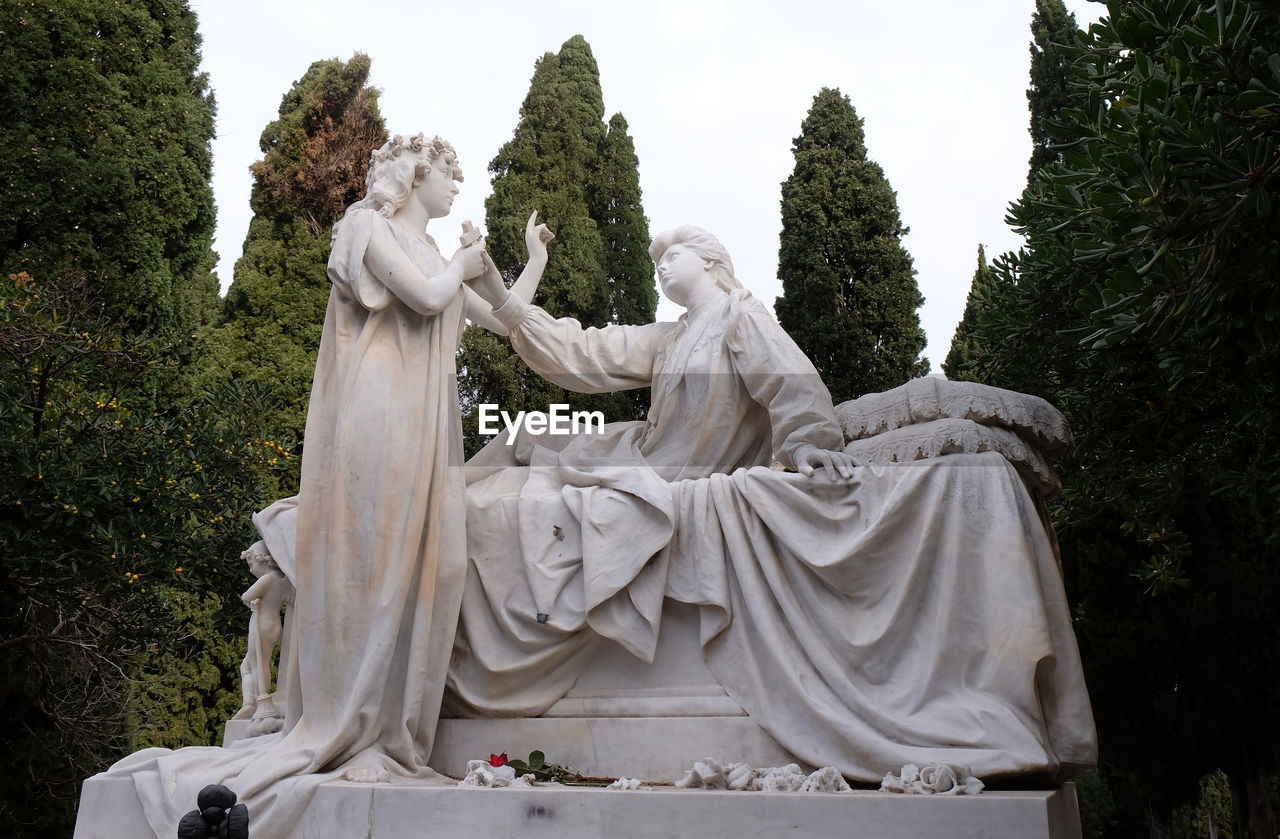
(105, 125)
(118, 526)
(624, 231)
(581, 176)
(964, 348)
(1052, 29)
(1146, 306)
(315, 158)
(849, 293)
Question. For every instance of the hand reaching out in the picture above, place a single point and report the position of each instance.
(536, 238)
(489, 284)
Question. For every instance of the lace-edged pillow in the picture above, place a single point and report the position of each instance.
(929, 399)
(951, 435)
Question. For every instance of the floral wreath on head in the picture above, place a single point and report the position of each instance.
(417, 144)
(392, 176)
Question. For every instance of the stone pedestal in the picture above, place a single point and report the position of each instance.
(339, 810)
(623, 717)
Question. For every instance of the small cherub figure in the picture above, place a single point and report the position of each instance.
(265, 599)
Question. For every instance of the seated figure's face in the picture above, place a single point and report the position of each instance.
(683, 275)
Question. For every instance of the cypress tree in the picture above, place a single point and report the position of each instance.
(315, 159)
(581, 176)
(849, 294)
(1052, 28)
(617, 209)
(964, 347)
(105, 126)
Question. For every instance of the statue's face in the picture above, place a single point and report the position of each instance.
(437, 188)
(683, 275)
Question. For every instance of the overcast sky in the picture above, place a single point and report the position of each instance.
(714, 92)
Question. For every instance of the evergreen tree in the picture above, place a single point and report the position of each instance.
(616, 207)
(581, 176)
(964, 347)
(1053, 30)
(120, 524)
(315, 158)
(1144, 304)
(849, 294)
(120, 534)
(105, 126)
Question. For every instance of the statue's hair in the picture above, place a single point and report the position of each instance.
(253, 555)
(702, 243)
(399, 165)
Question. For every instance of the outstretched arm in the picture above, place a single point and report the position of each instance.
(387, 261)
(535, 239)
(488, 291)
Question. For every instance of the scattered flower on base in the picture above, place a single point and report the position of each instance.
(933, 779)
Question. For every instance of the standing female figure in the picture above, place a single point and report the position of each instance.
(380, 556)
(381, 545)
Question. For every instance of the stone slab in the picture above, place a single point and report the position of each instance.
(342, 810)
(109, 808)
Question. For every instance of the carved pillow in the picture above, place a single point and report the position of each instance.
(928, 399)
(956, 436)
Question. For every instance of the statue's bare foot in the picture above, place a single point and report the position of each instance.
(366, 769)
(366, 775)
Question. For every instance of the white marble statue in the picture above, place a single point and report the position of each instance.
(380, 555)
(864, 617)
(866, 612)
(266, 598)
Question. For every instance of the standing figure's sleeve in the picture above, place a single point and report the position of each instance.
(351, 237)
(591, 360)
(782, 380)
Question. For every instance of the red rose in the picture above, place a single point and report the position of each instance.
(498, 760)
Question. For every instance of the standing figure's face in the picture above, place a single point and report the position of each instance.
(683, 275)
(437, 188)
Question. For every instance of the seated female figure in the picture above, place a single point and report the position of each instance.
(851, 612)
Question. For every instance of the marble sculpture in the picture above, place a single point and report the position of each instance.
(875, 584)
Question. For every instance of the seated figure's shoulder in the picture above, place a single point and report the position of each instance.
(748, 314)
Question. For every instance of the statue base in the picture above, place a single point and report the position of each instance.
(109, 809)
(623, 718)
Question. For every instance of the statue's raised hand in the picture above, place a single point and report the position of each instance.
(536, 237)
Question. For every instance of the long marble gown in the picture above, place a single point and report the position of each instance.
(912, 614)
(380, 556)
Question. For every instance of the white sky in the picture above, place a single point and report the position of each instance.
(714, 92)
